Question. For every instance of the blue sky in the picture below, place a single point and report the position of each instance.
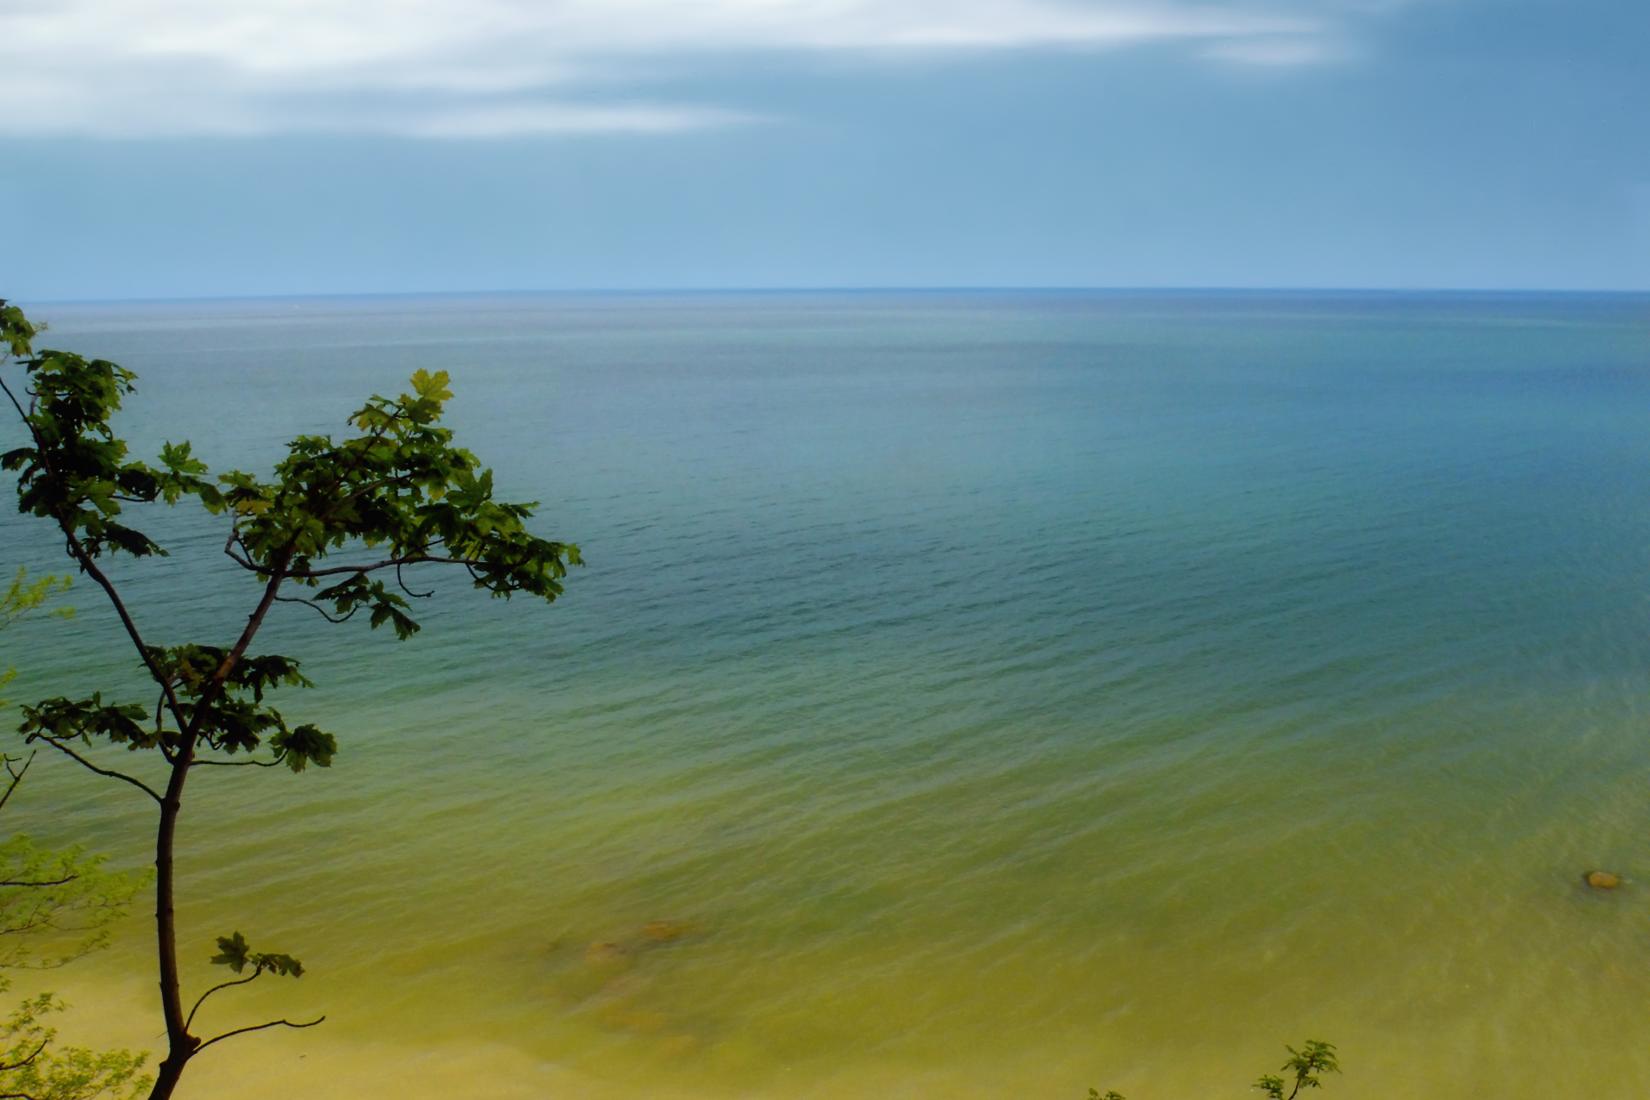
(165, 148)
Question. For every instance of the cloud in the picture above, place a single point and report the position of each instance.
(508, 119)
(487, 68)
(1279, 51)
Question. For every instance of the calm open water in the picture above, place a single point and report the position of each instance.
(1012, 692)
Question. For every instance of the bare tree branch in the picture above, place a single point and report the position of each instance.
(133, 780)
(323, 612)
(16, 777)
(257, 1027)
(27, 1061)
(64, 881)
(402, 582)
(160, 731)
(278, 759)
(254, 976)
(363, 568)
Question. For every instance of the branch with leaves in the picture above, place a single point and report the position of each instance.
(332, 527)
(23, 597)
(1306, 1068)
(235, 953)
(55, 906)
(33, 1067)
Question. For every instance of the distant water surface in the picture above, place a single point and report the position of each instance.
(1011, 692)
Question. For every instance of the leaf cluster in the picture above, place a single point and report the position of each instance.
(235, 953)
(76, 472)
(33, 1068)
(17, 332)
(1305, 1067)
(22, 597)
(400, 488)
(56, 904)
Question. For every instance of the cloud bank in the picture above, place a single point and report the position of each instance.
(492, 68)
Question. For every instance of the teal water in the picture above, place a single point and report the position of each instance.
(1012, 692)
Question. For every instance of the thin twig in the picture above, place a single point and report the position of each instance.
(323, 612)
(133, 780)
(279, 758)
(373, 567)
(26, 1061)
(254, 976)
(402, 582)
(257, 1027)
(16, 777)
(160, 732)
(64, 881)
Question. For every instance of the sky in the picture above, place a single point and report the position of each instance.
(197, 148)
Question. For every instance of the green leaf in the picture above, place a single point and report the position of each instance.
(233, 952)
(431, 387)
(303, 746)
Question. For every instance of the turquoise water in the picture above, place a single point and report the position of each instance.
(1010, 692)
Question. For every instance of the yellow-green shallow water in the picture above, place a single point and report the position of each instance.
(1005, 694)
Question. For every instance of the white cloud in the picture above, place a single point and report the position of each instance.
(507, 119)
(1279, 51)
(450, 68)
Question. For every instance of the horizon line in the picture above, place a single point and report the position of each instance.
(982, 288)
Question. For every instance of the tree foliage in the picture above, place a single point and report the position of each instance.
(1305, 1068)
(337, 527)
(22, 597)
(32, 1067)
(55, 906)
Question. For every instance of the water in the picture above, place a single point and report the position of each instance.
(1012, 692)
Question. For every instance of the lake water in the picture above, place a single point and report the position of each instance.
(1010, 692)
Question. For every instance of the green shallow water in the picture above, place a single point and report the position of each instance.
(1011, 693)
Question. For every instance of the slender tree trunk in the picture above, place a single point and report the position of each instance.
(180, 1045)
(167, 1076)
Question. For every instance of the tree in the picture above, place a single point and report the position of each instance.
(1305, 1066)
(335, 520)
(20, 598)
(66, 901)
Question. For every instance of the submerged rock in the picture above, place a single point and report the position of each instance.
(664, 931)
(679, 1046)
(637, 1021)
(1602, 880)
(605, 953)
